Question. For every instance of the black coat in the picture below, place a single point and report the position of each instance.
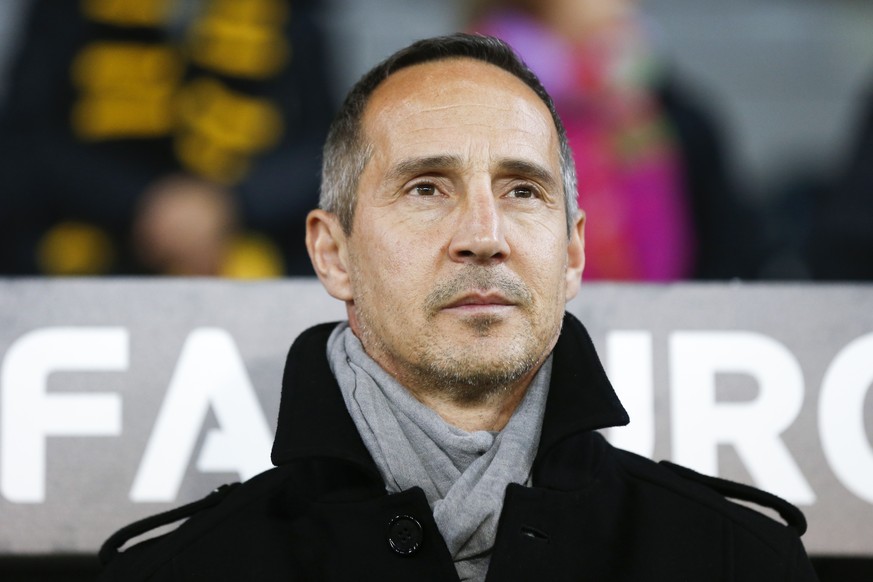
(594, 512)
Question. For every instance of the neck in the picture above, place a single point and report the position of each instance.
(470, 404)
(491, 414)
(489, 409)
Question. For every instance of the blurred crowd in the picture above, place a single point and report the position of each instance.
(163, 137)
(183, 137)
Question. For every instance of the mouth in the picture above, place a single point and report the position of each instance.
(479, 301)
(478, 293)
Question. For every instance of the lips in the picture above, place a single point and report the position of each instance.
(480, 300)
(478, 289)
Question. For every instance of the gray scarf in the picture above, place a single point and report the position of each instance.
(463, 474)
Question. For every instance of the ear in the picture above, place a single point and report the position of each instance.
(575, 256)
(327, 246)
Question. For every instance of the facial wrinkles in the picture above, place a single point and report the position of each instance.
(504, 107)
(504, 97)
(460, 375)
(404, 263)
(436, 127)
(502, 100)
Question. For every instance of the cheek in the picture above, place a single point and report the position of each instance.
(540, 244)
(410, 244)
(548, 264)
(393, 266)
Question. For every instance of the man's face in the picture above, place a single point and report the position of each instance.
(459, 263)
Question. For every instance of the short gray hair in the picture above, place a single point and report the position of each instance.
(346, 152)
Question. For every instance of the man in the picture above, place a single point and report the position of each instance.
(447, 430)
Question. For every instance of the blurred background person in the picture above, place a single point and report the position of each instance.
(652, 171)
(188, 226)
(841, 245)
(130, 127)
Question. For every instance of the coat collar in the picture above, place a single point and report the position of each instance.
(314, 423)
(581, 399)
(313, 419)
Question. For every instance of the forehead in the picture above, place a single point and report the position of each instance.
(451, 103)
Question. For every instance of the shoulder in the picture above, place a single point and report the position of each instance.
(144, 550)
(262, 528)
(697, 510)
(685, 490)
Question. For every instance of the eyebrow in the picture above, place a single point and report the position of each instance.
(414, 166)
(444, 163)
(529, 170)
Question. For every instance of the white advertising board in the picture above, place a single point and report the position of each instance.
(123, 398)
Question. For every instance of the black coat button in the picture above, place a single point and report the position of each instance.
(405, 535)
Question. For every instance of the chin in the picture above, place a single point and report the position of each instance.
(476, 381)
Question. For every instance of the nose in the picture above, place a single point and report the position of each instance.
(478, 236)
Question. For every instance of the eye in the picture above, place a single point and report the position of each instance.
(523, 191)
(423, 189)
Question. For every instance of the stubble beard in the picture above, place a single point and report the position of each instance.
(468, 380)
(463, 373)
